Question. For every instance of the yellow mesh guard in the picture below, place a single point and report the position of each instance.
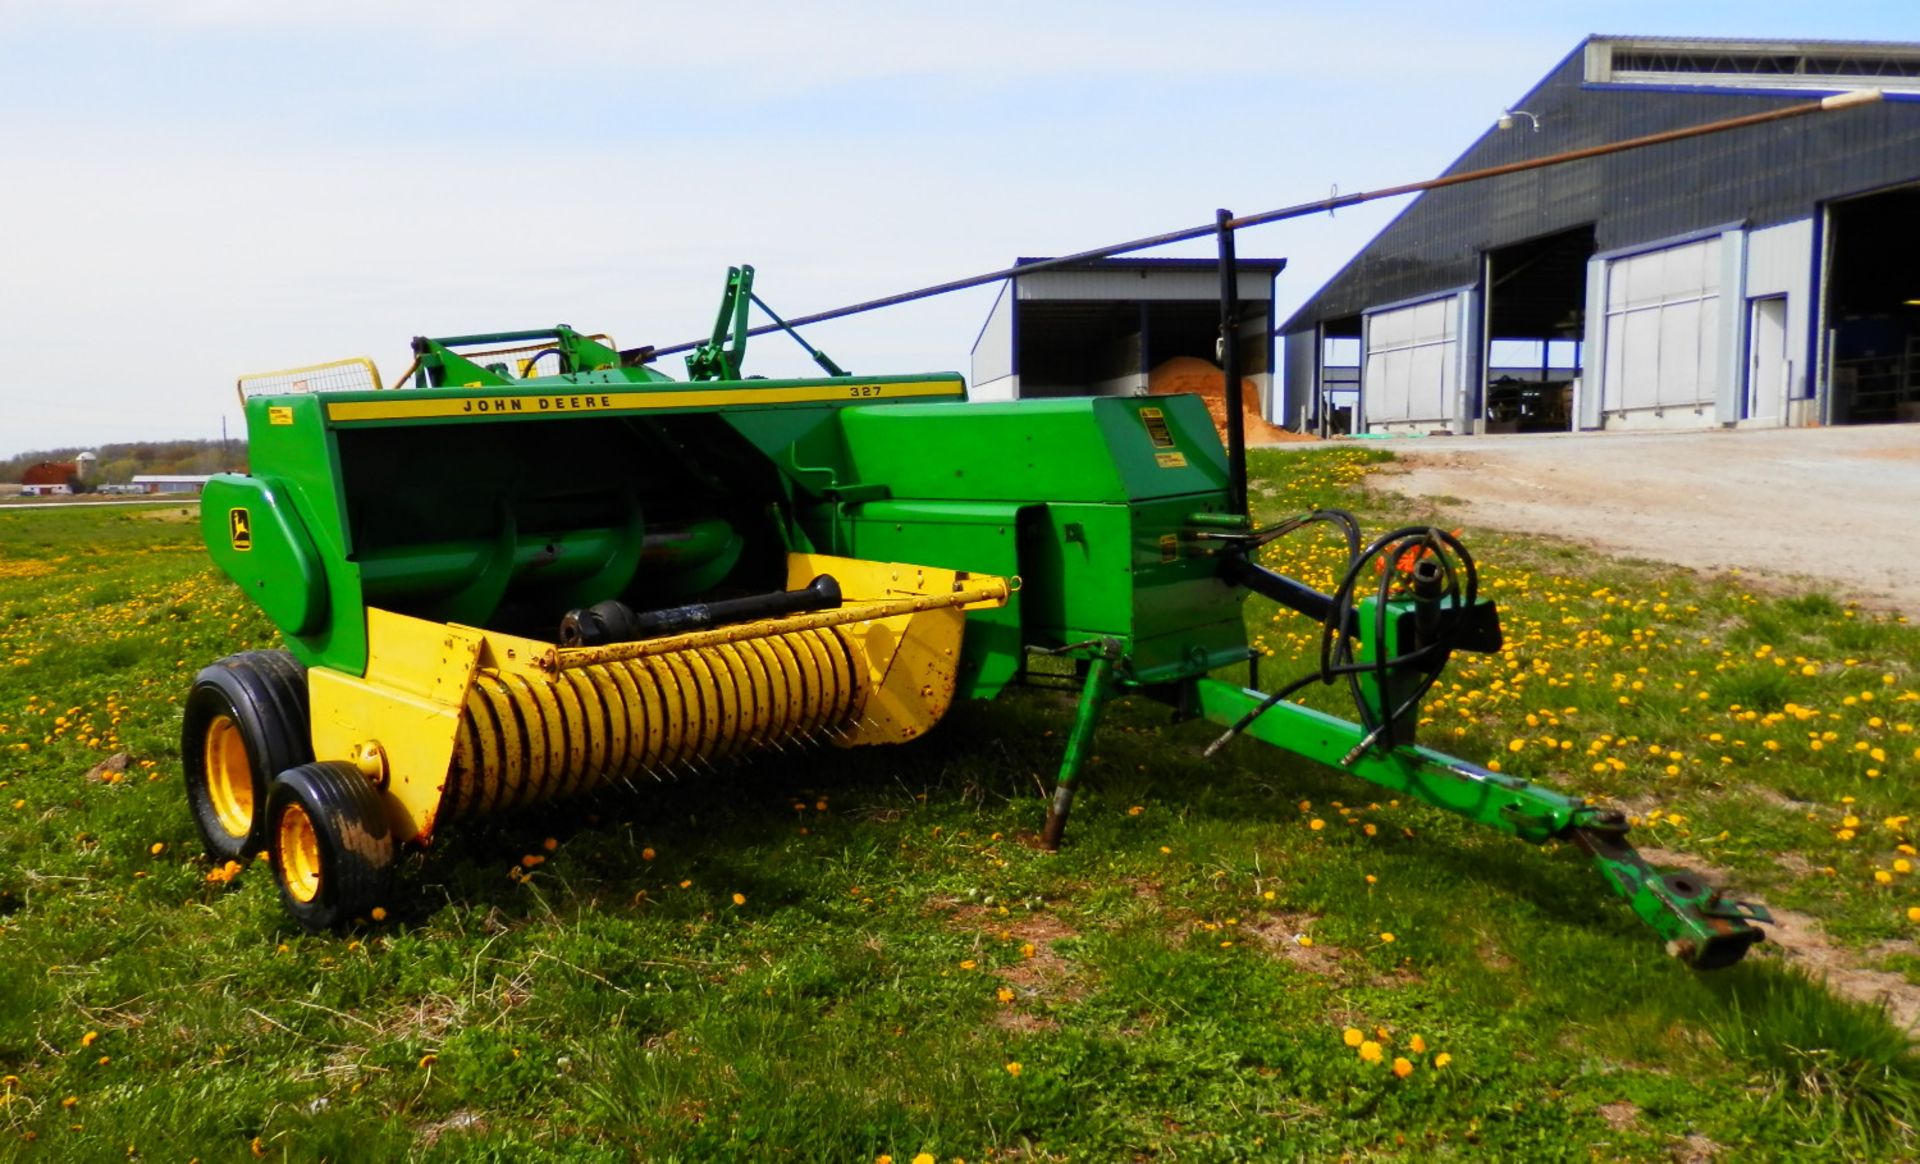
(357, 375)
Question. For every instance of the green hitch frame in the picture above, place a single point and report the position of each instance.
(1698, 925)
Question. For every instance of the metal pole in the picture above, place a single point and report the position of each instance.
(1837, 101)
(1230, 365)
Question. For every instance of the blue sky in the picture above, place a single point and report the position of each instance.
(199, 188)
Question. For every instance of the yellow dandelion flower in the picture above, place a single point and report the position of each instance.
(1417, 1045)
(1913, 913)
(1370, 1051)
(1387, 938)
(1004, 994)
(1136, 810)
(1013, 1069)
(924, 1158)
(1316, 824)
(1402, 1068)
(646, 854)
(739, 899)
(88, 1039)
(1442, 1059)
(1352, 1037)
(428, 1060)
(1883, 877)
(157, 848)
(378, 913)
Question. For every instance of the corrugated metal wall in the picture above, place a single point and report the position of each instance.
(993, 371)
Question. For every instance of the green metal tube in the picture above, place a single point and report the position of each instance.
(1092, 696)
(1697, 924)
(1502, 802)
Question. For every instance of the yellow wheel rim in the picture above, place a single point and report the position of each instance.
(299, 848)
(229, 776)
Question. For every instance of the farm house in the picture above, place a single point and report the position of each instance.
(1763, 277)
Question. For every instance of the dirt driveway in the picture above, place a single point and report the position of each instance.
(1833, 509)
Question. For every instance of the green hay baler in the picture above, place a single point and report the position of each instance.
(538, 566)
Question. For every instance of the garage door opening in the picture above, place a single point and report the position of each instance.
(1873, 308)
(1536, 320)
(1339, 376)
(1112, 347)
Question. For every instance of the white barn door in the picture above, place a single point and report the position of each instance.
(1662, 363)
(1411, 376)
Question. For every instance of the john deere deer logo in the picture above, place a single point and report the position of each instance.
(240, 529)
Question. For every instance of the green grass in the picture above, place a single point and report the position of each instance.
(1178, 979)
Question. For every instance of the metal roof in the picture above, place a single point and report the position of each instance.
(1127, 264)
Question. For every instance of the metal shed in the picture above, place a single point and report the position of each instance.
(1768, 275)
(1100, 328)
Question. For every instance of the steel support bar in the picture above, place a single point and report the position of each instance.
(1092, 696)
(1230, 365)
(981, 591)
(1697, 924)
(1317, 206)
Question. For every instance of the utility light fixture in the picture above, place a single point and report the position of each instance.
(1507, 116)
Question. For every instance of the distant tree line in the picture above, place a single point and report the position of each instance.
(118, 463)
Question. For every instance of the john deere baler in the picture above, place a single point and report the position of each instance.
(539, 566)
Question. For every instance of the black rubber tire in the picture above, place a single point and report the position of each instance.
(264, 695)
(353, 842)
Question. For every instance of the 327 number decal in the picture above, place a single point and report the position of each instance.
(864, 390)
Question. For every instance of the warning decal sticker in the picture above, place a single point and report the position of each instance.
(1157, 430)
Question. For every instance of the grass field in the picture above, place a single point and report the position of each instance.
(854, 956)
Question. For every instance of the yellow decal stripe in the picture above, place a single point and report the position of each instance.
(496, 403)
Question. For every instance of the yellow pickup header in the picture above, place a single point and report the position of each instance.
(493, 403)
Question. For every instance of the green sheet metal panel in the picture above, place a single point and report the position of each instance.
(1103, 488)
(288, 437)
(1075, 449)
(983, 538)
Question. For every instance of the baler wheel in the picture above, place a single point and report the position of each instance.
(330, 843)
(245, 720)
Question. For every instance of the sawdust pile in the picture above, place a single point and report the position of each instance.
(1201, 378)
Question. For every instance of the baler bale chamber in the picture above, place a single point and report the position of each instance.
(542, 567)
